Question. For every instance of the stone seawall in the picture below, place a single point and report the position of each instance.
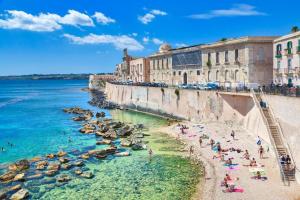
(193, 105)
(287, 112)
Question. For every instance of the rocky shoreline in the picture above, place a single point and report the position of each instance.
(21, 180)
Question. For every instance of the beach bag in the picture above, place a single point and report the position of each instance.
(258, 142)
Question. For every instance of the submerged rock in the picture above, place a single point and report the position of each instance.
(35, 176)
(79, 163)
(105, 141)
(41, 165)
(19, 166)
(63, 160)
(9, 176)
(78, 171)
(64, 178)
(19, 177)
(21, 194)
(85, 156)
(51, 156)
(14, 188)
(66, 166)
(87, 175)
(61, 154)
(51, 172)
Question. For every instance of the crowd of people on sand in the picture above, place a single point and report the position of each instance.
(226, 157)
(9, 144)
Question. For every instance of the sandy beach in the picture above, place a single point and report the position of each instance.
(270, 189)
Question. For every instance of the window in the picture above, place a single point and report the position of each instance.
(157, 64)
(236, 55)
(167, 65)
(217, 58)
(217, 75)
(278, 64)
(289, 45)
(198, 72)
(236, 74)
(174, 73)
(209, 57)
(289, 63)
(179, 73)
(226, 56)
(162, 63)
(278, 49)
(226, 75)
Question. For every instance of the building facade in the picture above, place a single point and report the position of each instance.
(140, 70)
(286, 62)
(239, 62)
(123, 69)
(161, 65)
(187, 65)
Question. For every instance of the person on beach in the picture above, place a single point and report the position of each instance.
(232, 134)
(253, 163)
(282, 159)
(200, 141)
(246, 155)
(288, 161)
(258, 140)
(191, 150)
(212, 142)
(261, 152)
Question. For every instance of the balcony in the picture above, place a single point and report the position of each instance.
(278, 55)
(288, 52)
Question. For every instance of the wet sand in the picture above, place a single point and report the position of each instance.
(271, 189)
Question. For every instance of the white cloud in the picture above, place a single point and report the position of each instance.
(236, 10)
(76, 18)
(21, 20)
(158, 12)
(120, 42)
(43, 22)
(157, 41)
(146, 40)
(149, 17)
(101, 18)
(134, 34)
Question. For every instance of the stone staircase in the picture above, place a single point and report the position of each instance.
(287, 173)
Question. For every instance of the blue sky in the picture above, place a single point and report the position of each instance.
(87, 36)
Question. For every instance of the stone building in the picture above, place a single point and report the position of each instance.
(237, 62)
(161, 65)
(187, 65)
(286, 62)
(123, 69)
(140, 70)
(176, 66)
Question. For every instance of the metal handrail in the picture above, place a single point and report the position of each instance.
(283, 177)
(282, 136)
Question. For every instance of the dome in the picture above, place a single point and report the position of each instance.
(164, 48)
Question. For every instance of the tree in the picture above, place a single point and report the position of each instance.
(295, 29)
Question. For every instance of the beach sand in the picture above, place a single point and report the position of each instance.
(271, 189)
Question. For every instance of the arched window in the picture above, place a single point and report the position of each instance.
(226, 75)
(236, 75)
(289, 45)
(217, 75)
(278, 49)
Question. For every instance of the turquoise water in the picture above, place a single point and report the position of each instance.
(31, 118)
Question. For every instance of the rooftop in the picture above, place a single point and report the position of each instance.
(287, 37)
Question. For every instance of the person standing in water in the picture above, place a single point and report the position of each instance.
(150, 152)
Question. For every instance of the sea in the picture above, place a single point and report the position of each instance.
(33, 124)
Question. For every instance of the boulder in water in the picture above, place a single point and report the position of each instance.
(64, 178)
(19, 177)
(19, 166)
(21, 194)
(61, 154)
(87, 175)
(104, 141)
(9, 176)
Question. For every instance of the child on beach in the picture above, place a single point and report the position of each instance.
(246, 155)
(261, 152)
(150, 152)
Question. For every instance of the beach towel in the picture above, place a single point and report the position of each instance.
(241, 190)
(263, 178)
(256, 169)
(232, 168)
(231, 165)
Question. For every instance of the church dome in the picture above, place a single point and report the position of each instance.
(164, 48)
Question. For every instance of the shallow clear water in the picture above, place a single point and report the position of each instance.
(31, 118)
